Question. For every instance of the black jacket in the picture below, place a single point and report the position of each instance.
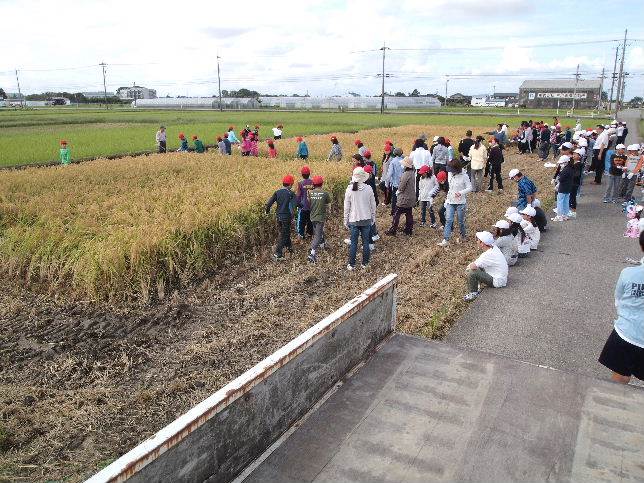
(540, 219)
(284, 198)
(565, 180)
(465, 145)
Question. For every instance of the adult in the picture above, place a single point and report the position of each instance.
(619, 131)
(527, 190)
(440, 155)
(464, 146)
(495, 160)
(578, 126)
(161, 139)
(456, 202)
(623, 352)
(577, 176)
(420, 157)
(394, 173)
(477, 155)
(277, 132)
(490, 268)
(405, 199)
(544, 142)
(359, 215)
(599, 153)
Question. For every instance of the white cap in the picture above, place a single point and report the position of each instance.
(536, 204)
(578, 151)
(524, 224)
(528, 210)
(620, 146)
(563, 159)
(632, 147)
(582, 142)
(511, 210)
(502, 224)
(513, 173)
(436, 138)
(486, 237)
(567, 145)
(515, 218)
(359, 175)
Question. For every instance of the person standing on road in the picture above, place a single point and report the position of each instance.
(495, 160)
(477, 155)
(617, 163)
(564, 183)
(359, 216)
(456, 202)
(490, 268)
(285, 199)
(632, 169)
(526, 188)
(405, 200)
(161, 139)
(623, 352)
(599, 153)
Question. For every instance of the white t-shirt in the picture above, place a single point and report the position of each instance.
(421, 157)
(495, 265)
(601, 141)
(531, 232)
(277, 131)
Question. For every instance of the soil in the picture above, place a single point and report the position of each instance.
(81, 383)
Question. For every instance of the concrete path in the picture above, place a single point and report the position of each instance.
(423, 411)
(558, 307)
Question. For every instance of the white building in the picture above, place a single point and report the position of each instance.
(135, 92)
(487, 101)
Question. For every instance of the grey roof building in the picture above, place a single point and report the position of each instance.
(559, 93)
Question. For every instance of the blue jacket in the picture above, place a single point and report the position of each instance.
(232, 137)
(629, 300)
(526, 188)
(302, 149)
(395, 171)
(228, 146)
(285, 199)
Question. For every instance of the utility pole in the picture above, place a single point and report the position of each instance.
(103, 65)
(219, 83)
(19, 93)
(612, 84)
(446, 82)
(574, 92)
(621, 71)
(601, 88)
(384, 48)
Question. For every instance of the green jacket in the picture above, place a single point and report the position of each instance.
(199, 147)
(65, 156)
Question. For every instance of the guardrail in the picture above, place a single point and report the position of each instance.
(219, 437)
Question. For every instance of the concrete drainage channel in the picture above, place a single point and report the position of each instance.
(222, 435)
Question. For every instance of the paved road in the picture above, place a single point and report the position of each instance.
(421, 410)
(558, 307)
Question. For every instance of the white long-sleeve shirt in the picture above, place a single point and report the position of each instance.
(359, 205)
(458, 183)
(421, 157)
(427, 188)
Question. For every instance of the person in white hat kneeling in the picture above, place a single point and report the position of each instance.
(490, 268)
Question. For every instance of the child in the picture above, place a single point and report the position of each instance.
(65, 153)
(506, 242)
(232, 137)
(199, 147)
(540, 219)
(633, 214)
(632, 170)
(246, 145)
(302, 148)
(490, 268)
(228, 144)
(427, 189)
(529, 227)
(256, 132)
(450, 150)
(221, 145)
(184, 143)
(272, 152)
(517, 231)
(361, 147)
(319, 200)
(277, 132)
(304, 225)
(617, 163)
(254, 146)
(374, 167)
(284, 198)
(443, 185)
(336, 150)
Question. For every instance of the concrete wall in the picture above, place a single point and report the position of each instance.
(219, 437)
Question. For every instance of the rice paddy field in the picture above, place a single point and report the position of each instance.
(135, 287)
(32, 136)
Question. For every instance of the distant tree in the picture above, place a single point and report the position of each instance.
(604, 96)
(354, 94)
(636, 101)
(246, 93)
(414, 93)
(3, 94)
(295, 95)
(225, 93)
(400, 94)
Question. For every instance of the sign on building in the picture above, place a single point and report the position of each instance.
(559, 95)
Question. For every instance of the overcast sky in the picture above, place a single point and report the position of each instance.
(322, 47)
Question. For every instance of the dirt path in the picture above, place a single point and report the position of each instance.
(81, 384)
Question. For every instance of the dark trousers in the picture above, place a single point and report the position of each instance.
(394, 199)
(573, 196)
(423, 212)
(409, 220)
(162, 146)
(304, 225)
(495, 172)
(598, 164)
(284, 240)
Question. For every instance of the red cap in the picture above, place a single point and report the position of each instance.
(250, 135)
(334, 138)
(305, 170)
(368, 169)
(269, 141)
(448, 141)
(441, 177)
(62, 141)
(194, 137)
(181, 135)
(388, 141)
(288, 179)
(367, 154)
(230, 128)
(318, 180)
(299, 139)
(387, 148)
(356, 142)
(423, 169)
(225, 135)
